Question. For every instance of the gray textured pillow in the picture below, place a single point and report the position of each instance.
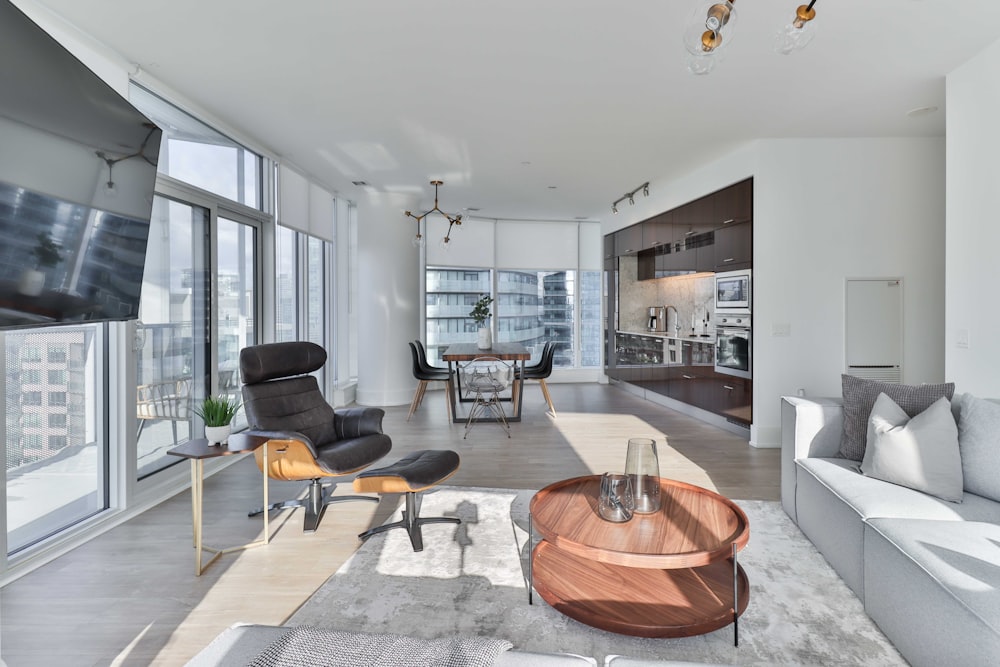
(919, 453)
(859, 397)
(979, 442)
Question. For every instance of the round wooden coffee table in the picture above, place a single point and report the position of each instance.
(672, 573)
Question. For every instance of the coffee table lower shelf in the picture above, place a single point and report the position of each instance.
(643, 602)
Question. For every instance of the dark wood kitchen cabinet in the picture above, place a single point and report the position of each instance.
(734, 247)
(732, 398)
(628, 241)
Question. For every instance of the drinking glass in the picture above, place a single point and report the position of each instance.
(642, 467)
(616, 502)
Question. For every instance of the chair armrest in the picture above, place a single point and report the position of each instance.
(810, 427)
(355, 422)
(287, 435)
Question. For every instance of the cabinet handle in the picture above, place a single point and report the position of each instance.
(728, 387)
(728, 259)
(688, 377)
(726, 222)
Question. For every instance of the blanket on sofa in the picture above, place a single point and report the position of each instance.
(304, 646)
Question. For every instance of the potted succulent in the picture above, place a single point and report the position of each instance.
(47, 255)
(480, 313)
(217, 412)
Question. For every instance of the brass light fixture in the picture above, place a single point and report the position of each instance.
(418, 240)
(797, 34)
(710, 26)
(630, 196)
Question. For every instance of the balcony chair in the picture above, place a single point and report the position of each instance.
(167, 400)
(541, 371)
(424, 375)
(309, 439)
(485, 378)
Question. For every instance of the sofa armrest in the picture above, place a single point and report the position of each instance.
(810, 427)
(355, 422)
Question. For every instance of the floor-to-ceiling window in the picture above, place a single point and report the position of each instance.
(55, 431)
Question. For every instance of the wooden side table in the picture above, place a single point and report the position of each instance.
(197, 451)
(672, 573)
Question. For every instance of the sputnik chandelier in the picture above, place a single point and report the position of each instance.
(711, 25)
(418, 240)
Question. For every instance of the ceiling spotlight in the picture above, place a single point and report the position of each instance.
(797, 34)
(614, 208)
(631, 199)
(645, 190)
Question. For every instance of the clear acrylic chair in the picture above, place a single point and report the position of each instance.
(485, 378)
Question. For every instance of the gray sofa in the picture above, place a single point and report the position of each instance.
(927, 570)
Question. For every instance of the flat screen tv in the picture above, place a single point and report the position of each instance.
(77, 171)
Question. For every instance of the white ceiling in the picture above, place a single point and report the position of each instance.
(506, 101)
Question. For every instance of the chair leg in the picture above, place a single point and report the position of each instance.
(548, 399)
(416, 399)
(411, 522)
(315, 503)
(447, 397)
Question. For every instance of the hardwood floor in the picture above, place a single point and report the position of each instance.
(130, 597)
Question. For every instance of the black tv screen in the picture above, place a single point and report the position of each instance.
(77, 172)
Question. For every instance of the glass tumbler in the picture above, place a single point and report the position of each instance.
(617, 501)
(642, 467)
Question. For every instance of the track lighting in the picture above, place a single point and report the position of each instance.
(418, 240)
(630, 196)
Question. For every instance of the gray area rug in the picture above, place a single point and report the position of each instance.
(471, 580)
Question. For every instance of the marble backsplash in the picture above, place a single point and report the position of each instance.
(693, 296)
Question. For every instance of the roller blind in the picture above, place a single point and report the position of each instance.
(591, 246)
(293, 199)
(320, 213)
(471, 245)
(537, 245)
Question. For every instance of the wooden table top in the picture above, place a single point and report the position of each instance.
(694, 526)
(470, 351)
(237, 443)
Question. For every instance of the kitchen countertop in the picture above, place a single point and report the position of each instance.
(710, 338)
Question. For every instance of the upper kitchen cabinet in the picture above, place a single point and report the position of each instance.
(658, 230)
(734, 246)
(628, 241)
(609, 247)
(734, 204)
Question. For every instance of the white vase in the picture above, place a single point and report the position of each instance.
(216, 435)
(32, 282)
(485, 341)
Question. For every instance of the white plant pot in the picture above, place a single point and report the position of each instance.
(32, 282)
(216, 435)
(485, 341)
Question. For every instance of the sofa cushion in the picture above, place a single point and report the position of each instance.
(919, 453)
(859, 398)
(871, 497)
(979, 443)
(932, 588)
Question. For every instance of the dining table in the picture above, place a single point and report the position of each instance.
(456, 354)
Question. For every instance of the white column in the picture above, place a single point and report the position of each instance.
(388, 299)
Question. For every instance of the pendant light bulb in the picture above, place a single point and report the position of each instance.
(708, 30)
(417, 241)
(797, 33)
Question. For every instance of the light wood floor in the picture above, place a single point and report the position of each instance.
(130, 597)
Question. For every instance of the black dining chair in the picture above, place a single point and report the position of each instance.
(425, 376)
(422, 354)
(541, 371)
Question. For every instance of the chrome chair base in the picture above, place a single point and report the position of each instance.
(315, 504)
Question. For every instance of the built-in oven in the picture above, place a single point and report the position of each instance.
(732, 291)
(733, 345)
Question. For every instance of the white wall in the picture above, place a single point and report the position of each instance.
(826, 210)
(973, 237)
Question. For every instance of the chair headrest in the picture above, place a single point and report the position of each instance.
(260, 363)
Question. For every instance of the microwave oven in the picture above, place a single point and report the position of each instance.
(732, 291)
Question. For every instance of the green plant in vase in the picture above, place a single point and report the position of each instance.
(217, 412)
(480, 313)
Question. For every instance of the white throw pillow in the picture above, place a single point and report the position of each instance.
(919, 453)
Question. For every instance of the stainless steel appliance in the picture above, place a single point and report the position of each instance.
(733, 345)
(657, 319)
(732, 291)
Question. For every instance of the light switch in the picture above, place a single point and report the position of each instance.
(781, 329)
(962, 339)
